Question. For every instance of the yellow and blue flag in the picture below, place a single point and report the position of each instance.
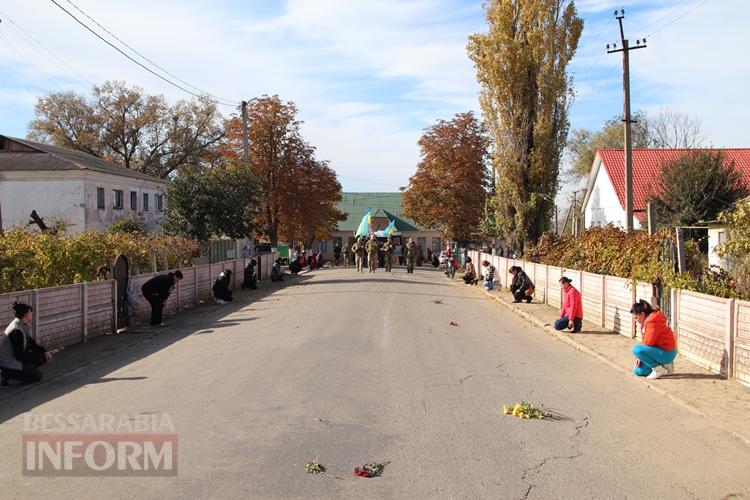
(364, 226)
(391, 228)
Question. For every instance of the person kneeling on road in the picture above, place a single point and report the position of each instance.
(571, 314)
(470, 277)
(655, 355)
(20, 355)
(521, 287)
(277, 273)
(250, 280)
(222, 293)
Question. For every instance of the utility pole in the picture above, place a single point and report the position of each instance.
(625, 48)
(245, 140)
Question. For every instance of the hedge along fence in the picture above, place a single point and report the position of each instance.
(71, 314)
(712, 332)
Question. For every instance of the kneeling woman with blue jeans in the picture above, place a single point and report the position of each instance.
(659, 349)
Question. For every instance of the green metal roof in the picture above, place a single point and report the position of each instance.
(355, 205)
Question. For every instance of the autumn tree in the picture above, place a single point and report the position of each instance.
(125, 126)
(210, 203)
(298, 194)
(697, 186)
(449, 189)
(667, 129)
(521, 66)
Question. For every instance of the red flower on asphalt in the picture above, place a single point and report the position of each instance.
(361, 472)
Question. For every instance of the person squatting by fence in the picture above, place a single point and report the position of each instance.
(571, 313)
(489, 275)
(521, 287)
(277, 273)
(157, 291)
(250, 280)
(20, 355)
(221, 291)
(470, 276)
(655, 355)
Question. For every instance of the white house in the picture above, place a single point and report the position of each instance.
(604, 202)
(85, 192)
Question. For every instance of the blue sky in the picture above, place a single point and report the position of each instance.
(370, 75)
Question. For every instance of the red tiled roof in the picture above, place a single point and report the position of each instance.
(647, 165)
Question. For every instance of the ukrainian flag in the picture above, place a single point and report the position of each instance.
(364, 226)
(391, 228)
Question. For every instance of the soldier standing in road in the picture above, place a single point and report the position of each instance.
(372, 253)
(345, 254)
(359, 254)
(411, 255)
(388, 249)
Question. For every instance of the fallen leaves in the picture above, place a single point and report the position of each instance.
(453, 323)
(437, 301)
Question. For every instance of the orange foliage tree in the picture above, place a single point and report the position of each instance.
(448, 191)
(298, 193)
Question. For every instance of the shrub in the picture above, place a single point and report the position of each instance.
(127, 225)
(31, 259)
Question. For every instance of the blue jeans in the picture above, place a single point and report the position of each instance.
(651, 357)
(562, 324)
(489, 284)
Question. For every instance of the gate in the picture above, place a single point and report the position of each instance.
(120, 273)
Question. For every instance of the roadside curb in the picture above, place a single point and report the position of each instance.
(547, 328)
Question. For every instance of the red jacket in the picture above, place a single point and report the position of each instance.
(572, 304)
(656, 332)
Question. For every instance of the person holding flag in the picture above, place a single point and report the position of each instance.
(388, 249)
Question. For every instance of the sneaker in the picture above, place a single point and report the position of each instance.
(669, 367)
(657, 372)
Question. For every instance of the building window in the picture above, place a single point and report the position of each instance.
(118, 201)
(159, 200)
(145, 202)
(99, 197)
(133, 201)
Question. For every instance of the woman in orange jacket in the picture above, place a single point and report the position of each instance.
(655, 355)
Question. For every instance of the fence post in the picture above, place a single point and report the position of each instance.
(113, 291)
(604, 299)
(35, 305)
(729, 343)
(84, 311)
(195, 285)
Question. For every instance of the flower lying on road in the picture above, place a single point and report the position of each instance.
(525, 410)
(371, 469)
(315, 468)
(453, 323)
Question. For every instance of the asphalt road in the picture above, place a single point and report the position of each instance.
(345, 368)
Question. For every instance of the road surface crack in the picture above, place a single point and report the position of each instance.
(461, 380)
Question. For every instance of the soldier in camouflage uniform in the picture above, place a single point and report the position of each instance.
(411, 255)
(388, 249)
(359, 253)
(345, 255)
(372, 247)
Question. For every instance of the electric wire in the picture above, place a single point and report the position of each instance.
(218, 99)
(161, 77)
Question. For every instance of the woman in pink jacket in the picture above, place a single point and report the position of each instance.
(571, 314)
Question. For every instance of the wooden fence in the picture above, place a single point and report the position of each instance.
(711, 331)
(70, 314)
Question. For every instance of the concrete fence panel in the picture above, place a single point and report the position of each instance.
(619, 294)
(59, 316)
(205, 282)
(553, 289)
(540, 280)
(100, 308)
(702, 328)
(6, 305)
(592, 293)
(742, 341)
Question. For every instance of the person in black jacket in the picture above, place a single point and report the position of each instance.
(20, 355)
(157, 290)
(250, 279)
(222, 293)
(521, 287)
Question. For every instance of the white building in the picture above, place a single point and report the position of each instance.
(84, 192)
(604, 202)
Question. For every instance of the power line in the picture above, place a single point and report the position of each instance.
(594, 43)
(677, 18)
(36, 45)
(225, 101)
(167, 80)
(671, 11)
